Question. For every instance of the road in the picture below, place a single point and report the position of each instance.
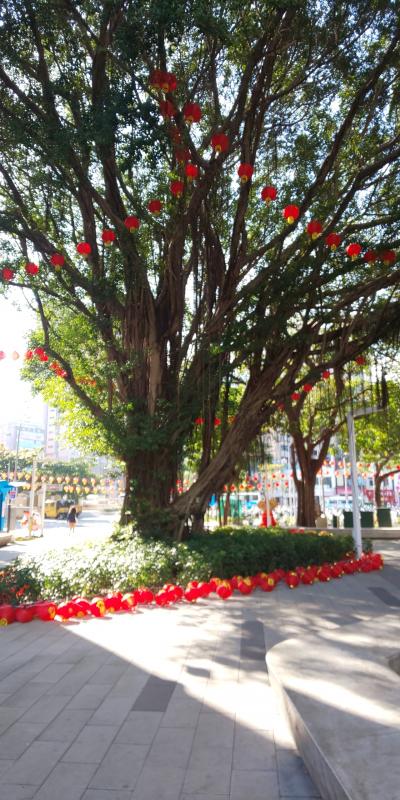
(92, 525)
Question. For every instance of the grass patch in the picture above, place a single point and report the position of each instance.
(123, 563)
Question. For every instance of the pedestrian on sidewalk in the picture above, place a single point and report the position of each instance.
(71, 518)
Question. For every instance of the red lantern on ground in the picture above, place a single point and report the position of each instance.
(245, 171)
(58, 260)
(132, 223)
(268, 194)
(370, 256)
(108, 237)
(154, 206)
(308, 387)
(314, 229)
(7, 614)
(7, 274)
(295, 396)
(84, 249)
(291, 213)
(191, 113)
(219, 142)
(388, 257)
(167, 109)
(24, 614)
(333, 241)
(45, 611)
(245, 586)
(191, 171)
(177, 188)
(224, 590)
(98, 607)
(128, 601)
(112, 602)
(353, 250)
(31, 268)
(292, 580)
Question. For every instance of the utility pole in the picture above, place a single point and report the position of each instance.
(351, 416)
(32, 493)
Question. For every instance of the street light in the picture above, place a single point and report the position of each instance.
(351, 416)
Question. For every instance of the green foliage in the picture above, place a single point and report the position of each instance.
(378, 435)
(125, 563)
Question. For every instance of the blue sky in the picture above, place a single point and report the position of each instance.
(16, 401)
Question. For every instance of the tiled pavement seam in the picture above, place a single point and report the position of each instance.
(93, 709)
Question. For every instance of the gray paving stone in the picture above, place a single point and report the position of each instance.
(108, 675)
(8, 716)
(120, 768)
(91, 744)
(52, 673)
(106, 794)
(17, 738)
(66, 726)
(159, 783)
(253, 641)
(22, 792)
(155, 695)
(213, 730)
(5, 763)
(33, 767)
(171, 747)
(26, 696)
(205, 797)
(209, 770)
(130, 685)
(254, 750)
(294, 779)
(112, 711)
(45, 709)
(140, 727)
(182, 713)
(66, 782)
(90, 696)
(76, 677)
(257, 784)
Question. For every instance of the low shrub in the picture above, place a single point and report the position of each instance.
(124, 563)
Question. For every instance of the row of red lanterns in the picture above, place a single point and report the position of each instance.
(80, 607)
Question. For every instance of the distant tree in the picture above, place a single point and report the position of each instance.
(378, 440)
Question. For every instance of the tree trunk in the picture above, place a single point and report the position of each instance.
(306, 501)
(378, 484)
(150, 485)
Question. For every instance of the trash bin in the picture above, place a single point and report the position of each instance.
(335, 520)
(367, 519)
(384, 518)
(347, 519)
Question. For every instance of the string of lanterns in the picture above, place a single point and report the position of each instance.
(81, 607)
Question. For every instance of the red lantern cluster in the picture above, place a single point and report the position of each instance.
(167, 109)
(164, 81)
(80, 607)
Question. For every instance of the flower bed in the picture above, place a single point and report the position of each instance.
(80, 607)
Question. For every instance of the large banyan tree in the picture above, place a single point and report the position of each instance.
(192, 191)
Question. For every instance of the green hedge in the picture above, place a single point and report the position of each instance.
(124, 563)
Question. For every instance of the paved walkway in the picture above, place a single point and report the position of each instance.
(165, 704)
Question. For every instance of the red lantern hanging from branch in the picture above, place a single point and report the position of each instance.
(353, 250)
(182, 155)
(29, 355)
(199, 421)
(58, 260)
(191, 113)
(191, 171)
(361, 361)
(245, 172)
(291, 213)
(217, 422)
(333, 241)
(108, 237)
(326, 374)
(308, 387)
(314, 229)
(132, 223)
(370, 256)
(31, 268)
(268, 194)
(388, 257)
(7, 274)
(219, 142)
(177, 188)
(295, 396)
(154, 206)
(165, 81)
(84, 249)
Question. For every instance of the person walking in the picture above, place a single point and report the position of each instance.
(71, 518)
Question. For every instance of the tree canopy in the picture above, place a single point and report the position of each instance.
(96, 102)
